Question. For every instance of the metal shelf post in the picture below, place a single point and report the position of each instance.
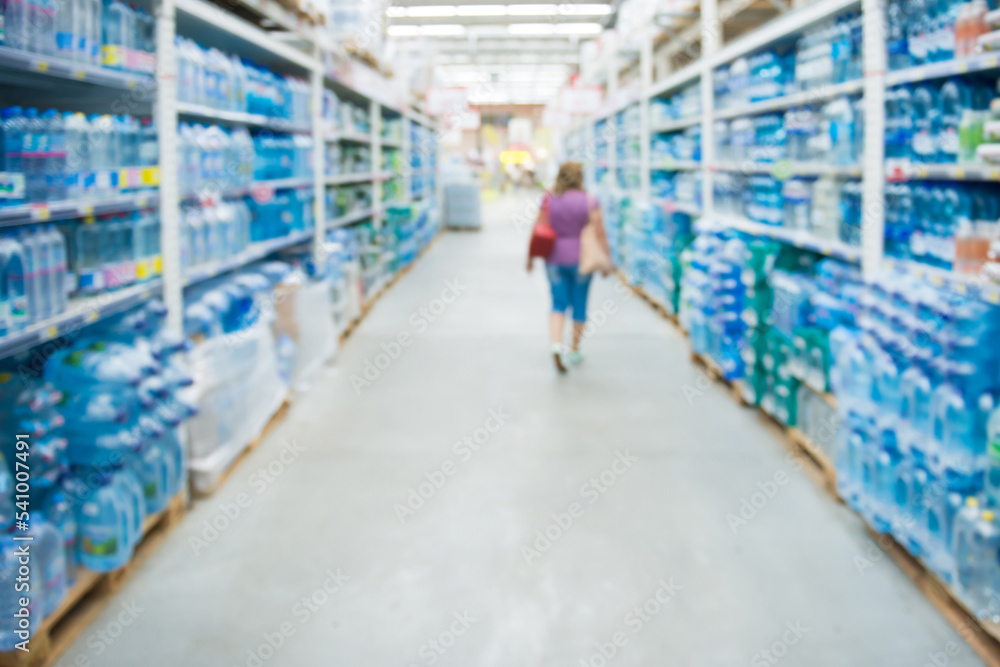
(873, 167)
(166, 122)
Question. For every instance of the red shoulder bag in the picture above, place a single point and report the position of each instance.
(543, 236)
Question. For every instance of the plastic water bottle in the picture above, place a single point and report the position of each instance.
(983, 588)
(54, 160)
(49, 550)
(68, 21)
(60, 512)
(955, 98)
(77, 154)
(104, 525)
(16, 24)
(13, 138)
(33, 147)
(114, 22)
(95, 29)
(42, 15)
(13, 265)
(9, 604)
(59, 268)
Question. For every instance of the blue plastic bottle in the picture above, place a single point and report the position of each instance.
(104, 524)
(48, 549)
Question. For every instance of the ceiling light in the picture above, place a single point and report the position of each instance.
(585, 10)
(578, 29)
(482, 10)
(530, 28)
(431, 10)
(531, 10)
(395, 11)
(442, 30)
(404, 30)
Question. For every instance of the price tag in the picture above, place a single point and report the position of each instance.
(86, 210)
(42, 66)
(993, 296)
(936, 280)
(994, 175)
(40, 212)
(158, 265)
(80, 74)
(961, 288)
(959, 173)
(49, 332)
(963, 67)
(92, 316)
(150, 176)
(142, 269)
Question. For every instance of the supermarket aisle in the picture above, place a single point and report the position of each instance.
(633, 466)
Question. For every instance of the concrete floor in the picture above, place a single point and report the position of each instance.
(648, 569)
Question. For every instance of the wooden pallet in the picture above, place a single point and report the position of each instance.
(278, 416)
(90, 594)
(370, 303)
(714, 372)
(982, 636)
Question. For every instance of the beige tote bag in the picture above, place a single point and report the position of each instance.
(593, 256)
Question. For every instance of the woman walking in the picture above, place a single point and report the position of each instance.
(569, 210)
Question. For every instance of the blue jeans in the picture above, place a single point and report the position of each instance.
(569, 290)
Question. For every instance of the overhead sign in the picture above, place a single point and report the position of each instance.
(581, 99)
(441, 101)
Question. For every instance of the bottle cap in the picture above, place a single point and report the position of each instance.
(972, 501)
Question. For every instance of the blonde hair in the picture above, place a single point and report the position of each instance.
(570, 177)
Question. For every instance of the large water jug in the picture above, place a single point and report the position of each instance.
(50, 557)
(13, 287)
(60, 513)
(104, 524)
(963, 542)
(10, 604)
(983, 587)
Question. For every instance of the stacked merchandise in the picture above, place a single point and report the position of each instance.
(920, 32)
(833, 135)
(825, 207)
(105, 452)
(211, 78)
(345, 116)
(680, 145)
(392, 187)
(712, 299)
(34, 279)
(348, 199)
(918, 453)
(685, 103)
(682, 187)
(343, 159)
(343, 261)
(604, 132)
(52, 156)
(462, 205)
(829, 53)
(392, 131)
(112, 34)
(240, 371)
(939, 123)
(627, 147)
(673, 236)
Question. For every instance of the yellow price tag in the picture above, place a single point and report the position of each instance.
(961, 288)
(92, 316)
(131, 83)
(150, 176)
(123, 180)
(80, 74)
(40, 212)
(959, 173)
(922, 172)
(963, 67)
(995, 174)
(937, 281)
(142, 269)
(158, 265)
(50, 332)
(993, 296)
(86, 210)
(42, 66)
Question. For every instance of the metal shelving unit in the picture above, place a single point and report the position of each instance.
(210, 25)
(873, 171)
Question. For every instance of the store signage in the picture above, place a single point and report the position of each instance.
(581, 99)
(441, 101)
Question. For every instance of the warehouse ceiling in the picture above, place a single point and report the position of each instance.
(518, 53)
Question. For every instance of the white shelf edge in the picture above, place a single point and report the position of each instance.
(801, 98)
(674, 125)
(677, 79)
(797, 238)
(237, 27)
(785, 25)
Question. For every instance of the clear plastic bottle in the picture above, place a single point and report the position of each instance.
(54, 164)
(42, 35)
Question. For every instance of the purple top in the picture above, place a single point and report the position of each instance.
(568, 215)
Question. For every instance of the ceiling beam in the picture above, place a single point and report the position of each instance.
(493, 20)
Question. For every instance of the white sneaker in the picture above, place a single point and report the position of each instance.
(557, 355)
